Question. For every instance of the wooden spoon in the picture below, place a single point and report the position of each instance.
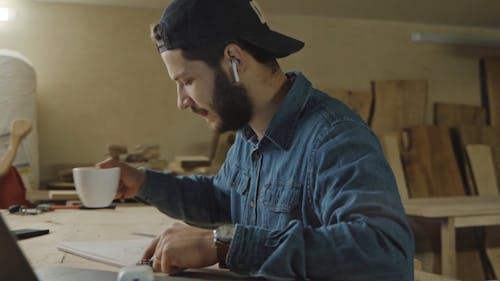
(19, 130)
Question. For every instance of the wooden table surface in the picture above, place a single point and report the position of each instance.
(83, 225)
(106, 224)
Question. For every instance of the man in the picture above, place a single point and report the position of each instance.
(305, 192)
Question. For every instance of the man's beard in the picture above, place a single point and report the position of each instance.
(231, 103)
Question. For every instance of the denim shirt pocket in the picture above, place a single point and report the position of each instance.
(239, 183)
(280, 200)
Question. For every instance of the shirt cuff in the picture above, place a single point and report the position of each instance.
(148, 191)
(248, 249)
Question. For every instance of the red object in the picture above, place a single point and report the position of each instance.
(12, 190)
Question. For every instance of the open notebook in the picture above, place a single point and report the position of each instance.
(117, 253)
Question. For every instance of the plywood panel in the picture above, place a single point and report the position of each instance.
(398, 104)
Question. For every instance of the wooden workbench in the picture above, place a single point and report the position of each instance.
(452, 213)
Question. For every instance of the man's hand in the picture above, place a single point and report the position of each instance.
(181, 246)
(131, 179)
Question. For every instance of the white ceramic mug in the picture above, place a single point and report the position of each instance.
(96, 187)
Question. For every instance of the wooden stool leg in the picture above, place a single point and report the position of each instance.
(448, 248)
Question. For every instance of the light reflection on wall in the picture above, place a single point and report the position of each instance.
(6, 14)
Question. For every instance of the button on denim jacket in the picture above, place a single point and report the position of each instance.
(314, 199)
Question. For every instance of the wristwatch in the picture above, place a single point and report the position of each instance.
(222, 239)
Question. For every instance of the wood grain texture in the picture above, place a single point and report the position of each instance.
(480, 159)
(398, 104)
(430, 163)
(359, 101)
(490, 76)
(455, 115)
(391, 145)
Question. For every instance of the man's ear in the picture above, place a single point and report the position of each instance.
(233, 51)
(235, 58)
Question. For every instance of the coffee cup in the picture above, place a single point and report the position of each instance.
(96, 187)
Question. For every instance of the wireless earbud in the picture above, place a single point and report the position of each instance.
(234, 65)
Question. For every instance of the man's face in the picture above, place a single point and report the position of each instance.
(208, 92)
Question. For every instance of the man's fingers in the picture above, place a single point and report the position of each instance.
(157, 263)
(151, 249)
(175, 270)
(108, 163)
(166, 265)
(121, 192)
(162, 263)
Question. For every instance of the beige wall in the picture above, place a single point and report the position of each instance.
(101, 81)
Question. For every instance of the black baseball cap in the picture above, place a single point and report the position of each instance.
(197, 23)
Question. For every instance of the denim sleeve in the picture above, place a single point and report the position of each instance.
(363, 232)
(193, 199)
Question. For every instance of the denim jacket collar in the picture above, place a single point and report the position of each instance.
(283, 124)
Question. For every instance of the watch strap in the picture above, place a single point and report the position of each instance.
(222, 250)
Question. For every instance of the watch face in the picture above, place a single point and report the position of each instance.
(224, 233)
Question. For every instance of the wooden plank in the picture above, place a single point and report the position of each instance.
(490, 76)
(390, 144)
(359, 101)
(430, 163)
(479, 135)
(398, 104)
(483, 169)
(455, 115)
(475, 135)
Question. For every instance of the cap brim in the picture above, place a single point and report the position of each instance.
(276, 43)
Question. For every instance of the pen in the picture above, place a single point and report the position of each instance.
(145, 262)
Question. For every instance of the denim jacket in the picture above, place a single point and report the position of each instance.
(314, 199)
